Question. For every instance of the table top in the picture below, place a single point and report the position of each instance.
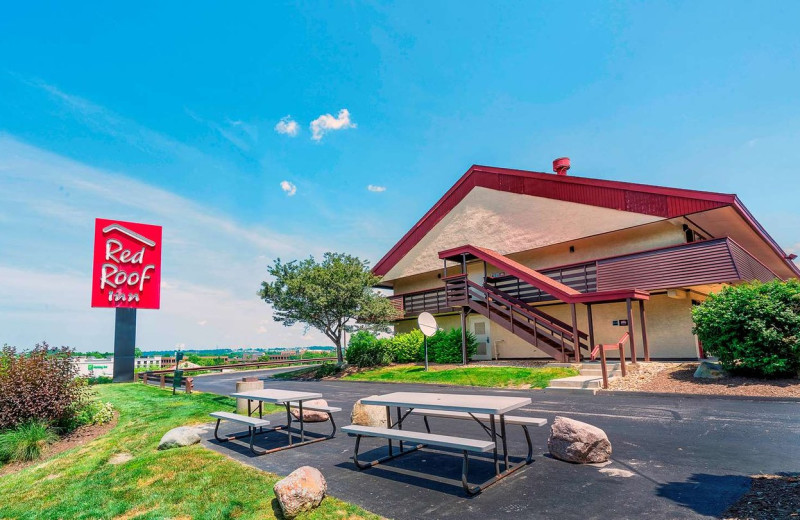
(274, 395)
(491, 404)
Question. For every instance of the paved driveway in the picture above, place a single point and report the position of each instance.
(673, 457)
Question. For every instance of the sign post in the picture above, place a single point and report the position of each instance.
(126, 276)
(427, 324)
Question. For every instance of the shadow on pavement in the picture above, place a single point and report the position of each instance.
(706, 494)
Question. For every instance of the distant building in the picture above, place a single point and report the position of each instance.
(96, 367)
(91, 367)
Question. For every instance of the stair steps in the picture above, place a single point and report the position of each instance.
(589, 381)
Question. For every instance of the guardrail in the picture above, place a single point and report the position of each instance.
(165, 377)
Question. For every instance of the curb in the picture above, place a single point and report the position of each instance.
(674, 395)
(600, 392)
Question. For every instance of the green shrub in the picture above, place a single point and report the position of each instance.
(26, 441)
(94, 412)
(99, 380)
(407, 348)
(445, 346)
(328, 369)
(753, 329)
(366, 350)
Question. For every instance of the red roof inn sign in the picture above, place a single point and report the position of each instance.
(127, 265)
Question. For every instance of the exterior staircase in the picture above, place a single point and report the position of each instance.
(547, 333)
(589, 381)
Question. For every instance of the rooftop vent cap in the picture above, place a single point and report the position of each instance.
(561, 165)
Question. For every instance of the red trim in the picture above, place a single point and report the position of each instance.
(760, 231)
(559, 290)
(624, 196)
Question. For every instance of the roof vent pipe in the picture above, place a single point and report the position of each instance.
(561, 165)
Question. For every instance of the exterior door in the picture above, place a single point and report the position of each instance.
(479, 326)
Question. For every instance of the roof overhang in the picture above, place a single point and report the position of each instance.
(645, 199)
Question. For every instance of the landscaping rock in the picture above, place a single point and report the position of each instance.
(302, 490)
(575, 441)
(311, 415)
(709, 370)
(179, 437)
(368, 415)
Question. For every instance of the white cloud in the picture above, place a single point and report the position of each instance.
(287, 126)
(327, 123)
(289, 188)
(376, 189)
(212, 265)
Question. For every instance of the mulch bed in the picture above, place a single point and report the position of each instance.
(77, 437)
(770, 497)
(679, 379)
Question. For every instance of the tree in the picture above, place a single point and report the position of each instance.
(137, 352)
(333, 296)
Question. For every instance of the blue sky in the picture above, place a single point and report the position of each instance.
(176, 106)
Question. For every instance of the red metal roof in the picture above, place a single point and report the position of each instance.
(624, 196)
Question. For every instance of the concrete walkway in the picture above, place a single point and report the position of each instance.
(673, 457)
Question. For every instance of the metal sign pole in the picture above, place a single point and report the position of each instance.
(426, 353)
(124, 344)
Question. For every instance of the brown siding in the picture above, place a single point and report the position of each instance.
(712, 261)
(749, 268)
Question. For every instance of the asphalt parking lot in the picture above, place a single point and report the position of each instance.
(673, 457)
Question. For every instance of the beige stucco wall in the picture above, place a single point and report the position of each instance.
(508, 223)
(669, 328)
(651, 236)
(446, 322)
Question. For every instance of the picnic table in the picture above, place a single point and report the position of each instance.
(490, 411)
(288, 398)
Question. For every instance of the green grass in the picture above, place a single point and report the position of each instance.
(191, 482)
(25, 442)
(498, 377)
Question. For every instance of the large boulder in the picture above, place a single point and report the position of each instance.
(179, 437)
(575, 441)
(368, 415)
(311, 415)
(709, 370)
(302, 490)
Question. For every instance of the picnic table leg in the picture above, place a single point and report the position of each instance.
(399, 426)
(471, 490)
(494, 440)
(389, 425)
(505, 443)
(288, 422)
(302, 423)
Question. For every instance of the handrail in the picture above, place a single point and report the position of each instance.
(519, 303)
(602, 349)
(542, 282)
(507, 306)
(241, 365)
(522, 310)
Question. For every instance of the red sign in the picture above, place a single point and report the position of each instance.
(127, 265)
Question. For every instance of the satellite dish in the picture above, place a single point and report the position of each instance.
(427, 324)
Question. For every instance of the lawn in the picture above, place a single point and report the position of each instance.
(181, 483)
(498, 377)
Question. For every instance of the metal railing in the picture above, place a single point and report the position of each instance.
(602, 349)
(165, 376)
